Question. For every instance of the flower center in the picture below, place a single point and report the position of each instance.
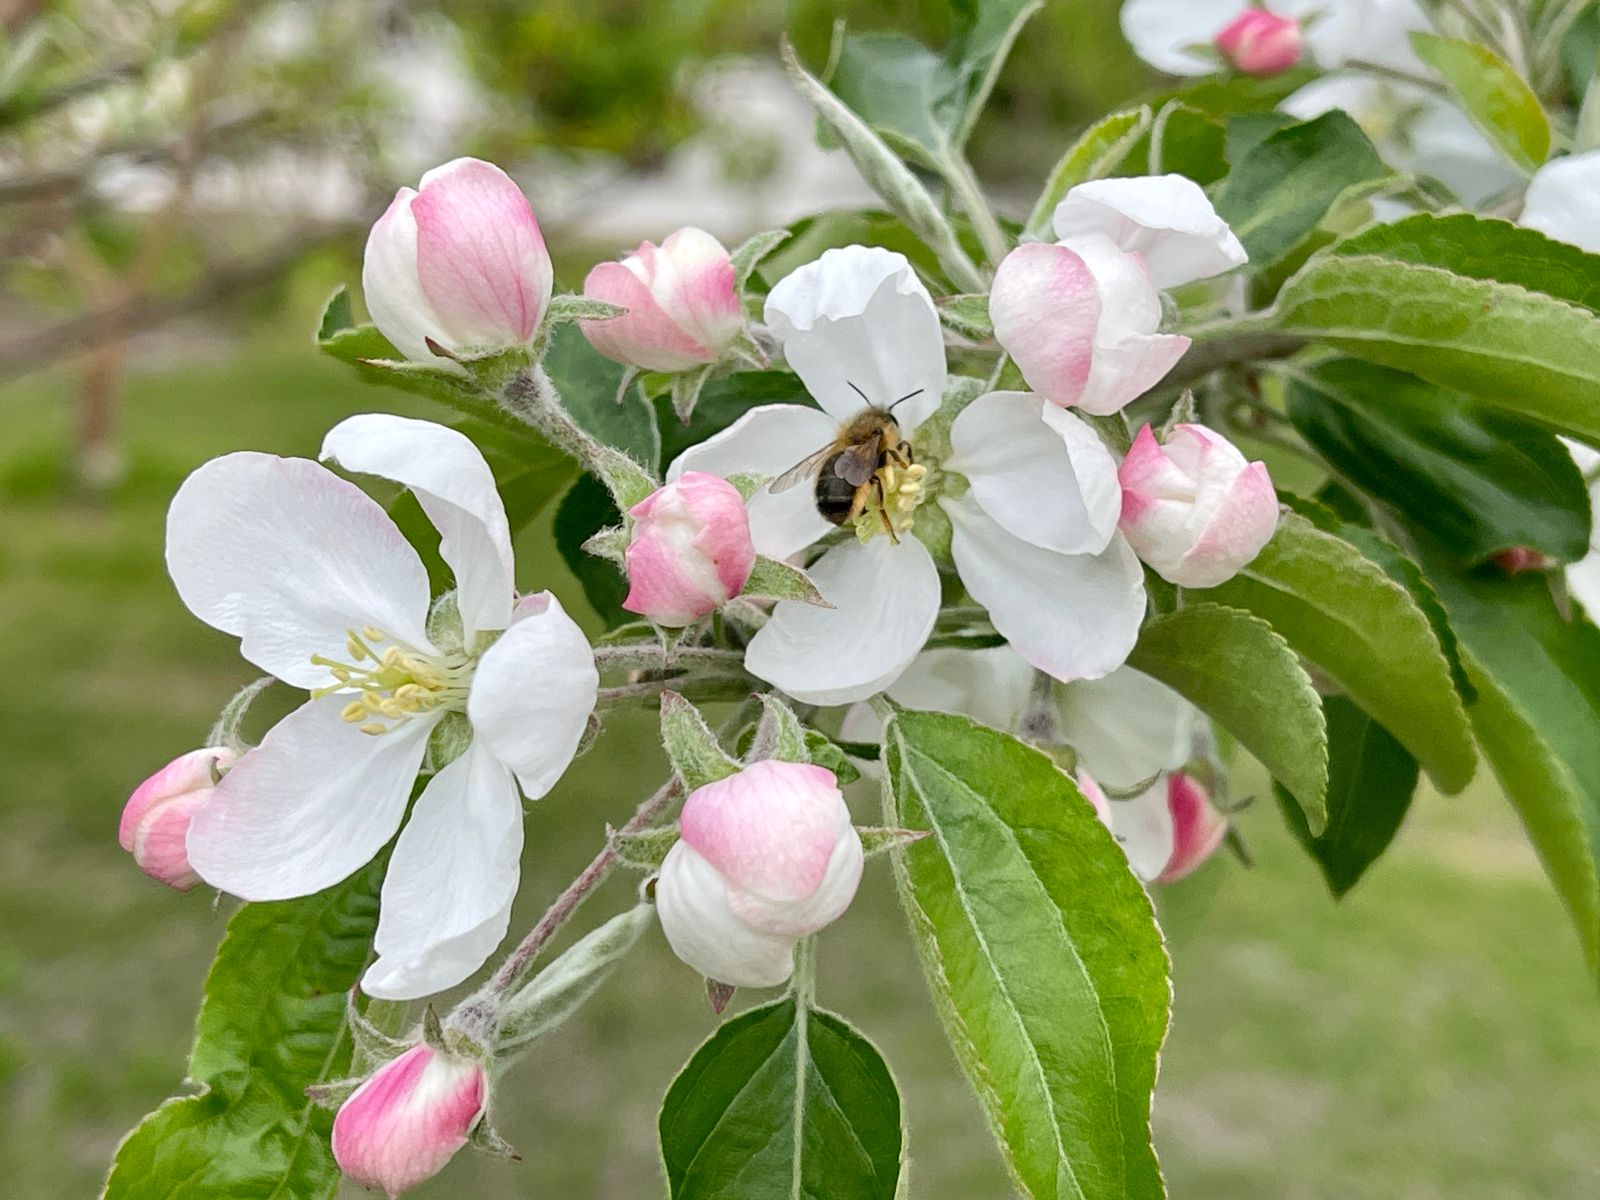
(899, 488)
(394, 683)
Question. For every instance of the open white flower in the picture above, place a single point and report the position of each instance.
(324, 592)
(1034, 533)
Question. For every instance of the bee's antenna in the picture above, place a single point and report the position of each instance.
(904, 398)
(859, 392)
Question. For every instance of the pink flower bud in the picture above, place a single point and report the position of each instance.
(1519, 559)
(460, 261)
(155, 821)
(1081, 323)
(691, 550)
(768, 856)
(1194, 509)
(1168, 830)
(683, 305)
(1261, 43)
(408, 1119)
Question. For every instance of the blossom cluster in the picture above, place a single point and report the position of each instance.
(1021, 494)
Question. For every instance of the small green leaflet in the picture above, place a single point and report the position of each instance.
(1098, 152)
(1041, 950)
(784, 1102)
(272, 1023)
(1497, 99)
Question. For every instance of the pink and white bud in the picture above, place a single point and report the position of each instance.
(1193, 509)
(1166, 219)
(461, 261)
(1169, 829)
(408, 1119)
(1518, 560)
(155, 820)
(1262, 43)
(1081, 323)
(691, 550)
(682, 300)
(768, 856)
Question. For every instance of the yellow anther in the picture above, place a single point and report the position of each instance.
(372, 702)
(373, 634)
(355, 648)
(373, 729)
(354, 711)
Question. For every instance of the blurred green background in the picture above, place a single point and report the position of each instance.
(1431, 1036)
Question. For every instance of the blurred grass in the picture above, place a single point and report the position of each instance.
(1433, 1036)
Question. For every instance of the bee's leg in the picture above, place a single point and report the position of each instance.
(883, 510)
(903, 452)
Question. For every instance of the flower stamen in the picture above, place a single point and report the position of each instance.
(395, 684)
(902, 487)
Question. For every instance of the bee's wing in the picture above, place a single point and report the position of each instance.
(801, 471)
(857, 463)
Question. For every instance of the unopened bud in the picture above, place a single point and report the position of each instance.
(155, 820)
(682, 300)
(1261, 43)
(691, 550)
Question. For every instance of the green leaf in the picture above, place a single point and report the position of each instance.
(1517, 349)
(1485, 248)
(546, 1001)
(887, 175)
(1497, 99)
(825, 753)
(570, 307)
(272, 1024)
(1366, 633)
(588, 386)
(773, 579)
(783, 1102)
(1280, 191)
(968, 315)
(695, 754)
(584, 511)
(1485, 480)
(1181, 140)
(1537, 717)
(1041, 950)
(747, 256)
(1370, 782)
(722, 402)
(1236, 669)
(1098, 152)
(339, 335)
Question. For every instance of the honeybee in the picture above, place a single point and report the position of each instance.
(849, 469)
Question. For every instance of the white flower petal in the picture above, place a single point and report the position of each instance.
(533, 692)
(1073, 616)
(1127, 726)
(1166, 218)
(885, 598)
(1164, 32)
(768, 441)
(1563, 200)
(309, 805)
(1143, 828)
(456, 489)
(991, 685)
(692, 903)
(1041, 473)
(288, 557)
(859, 315)
(447, 895)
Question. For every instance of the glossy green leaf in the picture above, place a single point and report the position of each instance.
(584, 511)
(1206, 653)
(1486, 248)
(272, 1023)
(1484, 480)
(1488, 88)
(1370, 782)
(1041, 950)
(1365, 632)
(1098, 152)
(784, 1102)
(1537, 717)
(1283, 187)
(1183, 141)
(1517, 349)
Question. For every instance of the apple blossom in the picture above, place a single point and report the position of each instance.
(767, 856)
(326, 594)
(1173, 35)
(690, 550)
(1193, 509)
(1082, 317)
(460, 262)
(1169, 829)
(1033, 535)
(155, 821)
(1563, 200)
(1259, 42)
(682, 300)
(408, 1119)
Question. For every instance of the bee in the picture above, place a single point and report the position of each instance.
(848, 470)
